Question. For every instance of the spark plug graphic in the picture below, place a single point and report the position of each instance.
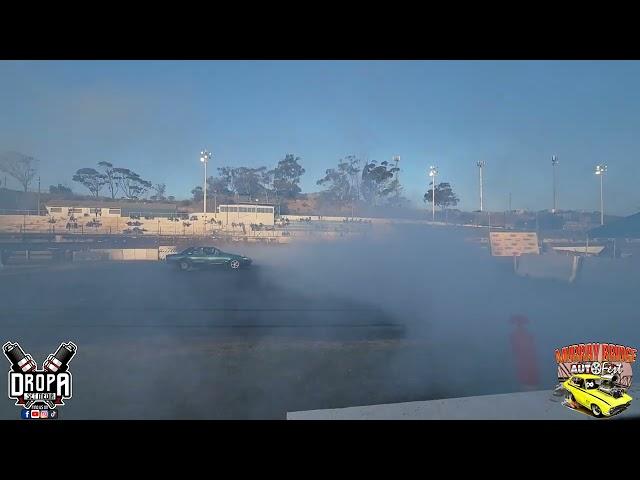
(59, 361)
(20, 362)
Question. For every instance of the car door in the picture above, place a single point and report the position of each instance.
(197, 256)
(216, 257)
(212, 255)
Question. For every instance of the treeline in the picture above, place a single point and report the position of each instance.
(118, 181)
(352, 182)
(246, 183)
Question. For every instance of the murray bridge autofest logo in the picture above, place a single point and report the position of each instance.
(40, 392)
(595, 378)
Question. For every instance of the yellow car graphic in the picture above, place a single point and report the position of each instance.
(600, 394)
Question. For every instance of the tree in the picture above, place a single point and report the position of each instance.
(445, 197)
(19, 166)
(91, 179)
(110, 178)
(249, 181)
(337, 185)
(267, 180)
(378, 181)
(159, 189)
(130, 183)
(342, 184)
(244, 180)
(285, 178)
(197, 194)
(220, 185)
(60, 189)
(395, 197)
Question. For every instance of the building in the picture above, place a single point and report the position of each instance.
(101, 208)
(58, 211)
(247, 213)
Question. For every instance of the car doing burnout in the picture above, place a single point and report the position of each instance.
(598, 394)
(194, 257)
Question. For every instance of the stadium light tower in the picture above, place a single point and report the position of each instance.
(205, 156)
(601, 170)
(554, 162)
(480, 165)
(433, 173)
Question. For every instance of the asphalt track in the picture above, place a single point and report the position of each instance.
(415, 315)
(154, 342)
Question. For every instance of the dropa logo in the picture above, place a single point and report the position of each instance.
(596, 377)
(40, 389)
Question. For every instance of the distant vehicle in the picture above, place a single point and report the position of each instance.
(194, 257)
(598, 394)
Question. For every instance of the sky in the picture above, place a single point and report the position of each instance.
(154, 117)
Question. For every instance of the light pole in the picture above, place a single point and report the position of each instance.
(433, 173)
(601, 170)
(480, 165)
(205, 156)
(554, 162)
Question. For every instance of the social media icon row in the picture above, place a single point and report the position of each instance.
(38, 414)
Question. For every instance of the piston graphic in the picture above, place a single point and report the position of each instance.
(59, 361)
(20, 362)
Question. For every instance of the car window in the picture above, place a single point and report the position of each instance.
(578, 382)
(187, 251)
(209, 251)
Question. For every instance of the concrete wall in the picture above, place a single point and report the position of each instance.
(120, 225)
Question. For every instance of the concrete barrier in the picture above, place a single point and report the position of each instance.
(90, 256)
(552, 266)
(128, 254)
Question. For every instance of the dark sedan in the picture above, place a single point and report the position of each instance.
(194, 257)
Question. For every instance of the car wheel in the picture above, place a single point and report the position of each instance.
(595, 409)
(234, 264)
(184, 265)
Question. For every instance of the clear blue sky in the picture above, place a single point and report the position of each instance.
(154, 117)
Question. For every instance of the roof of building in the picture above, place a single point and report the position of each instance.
(109, 204)
(248, 204)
